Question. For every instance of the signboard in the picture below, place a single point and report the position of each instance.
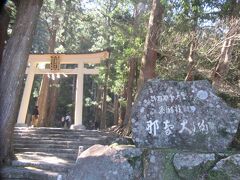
(55, 63)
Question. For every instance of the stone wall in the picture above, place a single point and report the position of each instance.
(129, 163)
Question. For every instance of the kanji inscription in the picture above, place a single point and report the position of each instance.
(185, 115)
(55, 63)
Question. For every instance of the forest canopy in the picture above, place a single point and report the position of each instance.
(190, 44)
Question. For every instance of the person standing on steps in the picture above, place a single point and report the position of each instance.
(63, 121)
(68, 120)
(35, 116)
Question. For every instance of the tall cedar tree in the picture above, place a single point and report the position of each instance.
(47, 100)
(196, 5)
(150, 56)
(13, 66)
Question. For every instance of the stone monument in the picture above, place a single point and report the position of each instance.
(184, 115)
(181, 131)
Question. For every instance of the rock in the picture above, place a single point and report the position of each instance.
(107, 163)
(185, 115)
(189, 164)
(78, 127)
(124, 162)
(158, 165)
(134, 157)
(123, 140)
(228, 168)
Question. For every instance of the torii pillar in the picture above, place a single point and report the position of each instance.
(26, 96)
(80, 60)
(79, 98)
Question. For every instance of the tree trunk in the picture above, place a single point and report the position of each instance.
(52, 102)
(116, 109)
(54, 84)
(103, 124)
(122, 112)
(43, 101)
(97, 120)
(46, 95)
(191, 57)
(4, 21)
(12, 70)
(150, 48)
(66, 24)
(131, 76)
(193, 44)
(222, 67)
(49, 91)
(122, 108)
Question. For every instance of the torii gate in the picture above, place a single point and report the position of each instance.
(80, 59)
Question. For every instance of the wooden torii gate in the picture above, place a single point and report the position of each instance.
(35, 60)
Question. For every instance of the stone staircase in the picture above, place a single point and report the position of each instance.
(48, 153)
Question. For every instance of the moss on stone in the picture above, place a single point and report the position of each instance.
(144, 162)
(158, 163)
(223, 132)
(236, 141)
(200, 137)
(217, 175)
(170, 172)
(161, 166)
(198, 171)
(225, 167)
(133, 160)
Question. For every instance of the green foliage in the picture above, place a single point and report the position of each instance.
(66, 18)
(233, 101)
(34, 93)
(12, 12)
(65, 100)
(40, 39)
(126, 34)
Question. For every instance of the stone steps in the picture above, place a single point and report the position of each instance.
(60, 131)
(52, 136)
(48, 153)
(56, 167)
(39, 155)
(76, 139)
(47, 141)
(29, 173)
(49, 145)
(47, 150)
